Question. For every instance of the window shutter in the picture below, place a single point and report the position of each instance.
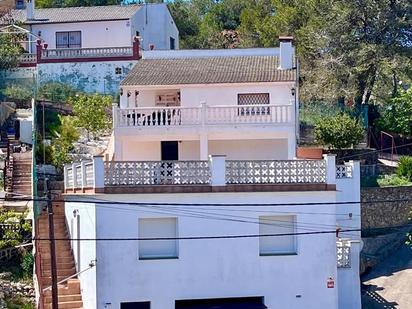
(277, 244)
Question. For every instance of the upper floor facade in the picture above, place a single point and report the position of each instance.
(243, 101)
(114, 26)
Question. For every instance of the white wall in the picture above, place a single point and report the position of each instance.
(348, 216)
(156, 26)
(218, 268)
(87, 214)
(276, 149)
(94, 34)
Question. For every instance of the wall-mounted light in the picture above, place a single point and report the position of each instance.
(293, 91)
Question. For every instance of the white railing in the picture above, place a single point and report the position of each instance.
(343, 254)
(344, 171)
(202, 115)
(275, 172)
(157, 173)
(216, 172)
(158, 117)
(28, 58)
(86, 52)
(79, 175)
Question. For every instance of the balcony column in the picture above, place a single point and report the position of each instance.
(330, 168)
(291, 146)
(123, 98)
(204, 147)
(114, 115)
(98, 172)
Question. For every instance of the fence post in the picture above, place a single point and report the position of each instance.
(218, 170)
(84, 178)
(114, 115)
(330, 160)
(98, 172)
(74, 176)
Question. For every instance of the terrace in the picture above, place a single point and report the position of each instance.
(214, 175)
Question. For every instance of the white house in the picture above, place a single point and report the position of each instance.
(100, 26)
(200, 201)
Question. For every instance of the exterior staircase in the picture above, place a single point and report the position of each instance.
(21, 179)
(69, 294)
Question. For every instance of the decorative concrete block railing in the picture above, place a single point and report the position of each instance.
(156, 173)
(343, 252)
(344, 171)
(274, 172)
(216, 172)
(203, 115)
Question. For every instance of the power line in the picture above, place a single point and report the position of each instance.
(218, 236)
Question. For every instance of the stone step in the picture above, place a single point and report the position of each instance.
(71, 287)
(67, 305)
(60, 265)
(61, 260)
(60, 272)
(64, 298)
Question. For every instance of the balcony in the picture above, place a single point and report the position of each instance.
(203, 115)
(27, 60)
(47, 54)
(215, 174)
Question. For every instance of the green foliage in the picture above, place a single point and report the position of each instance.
(17, 92)
(27, 262)
(9, 52)
(91, 112)
(19, 303)
(405, 167)
(71, 3)
(396, 116)
(340, 131)
(393, 180)
(315, 111)
(10, 237)
(56, 92)
(63, 140)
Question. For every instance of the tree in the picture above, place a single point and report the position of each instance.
(91, 113)
(62, 142)
(72, 3)
(396, 116)
(10, 49)
(340, 131)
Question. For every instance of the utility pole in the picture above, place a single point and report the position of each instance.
(53, 263)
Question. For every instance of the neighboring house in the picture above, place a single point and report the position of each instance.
(204, 146)
(100, 26)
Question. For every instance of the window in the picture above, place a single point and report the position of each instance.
(155, 228)
(253, 99)
(69, 39)
(172, 43)
(136, 305)
(20, 4)
(272, 245)
(118, 70)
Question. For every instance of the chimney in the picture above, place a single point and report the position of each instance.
(286, 52)
(30, 10)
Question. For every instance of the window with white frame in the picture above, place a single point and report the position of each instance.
(273, 245)
(158, 228)
(257, 99)
(69, 39)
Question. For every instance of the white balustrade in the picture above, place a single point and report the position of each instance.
(86, 52)
(208, 115)
(28, 58)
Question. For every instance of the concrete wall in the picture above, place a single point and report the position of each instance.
(156, 26)
(94, 34)
(86, 213)
(86, 76)
(217, 268)
(348, 216)
(276, 149)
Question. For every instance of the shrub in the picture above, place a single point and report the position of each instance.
(340, 131)
(405, 167)
(91, 113)
(27, 262)
(56, 92)
(393, 180)
(16, 92)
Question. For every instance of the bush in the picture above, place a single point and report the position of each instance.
(393, 180)
(91, 113)
(340, 131)
(405, 167)
(27, 262)
(16, 92)
(56, 92)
